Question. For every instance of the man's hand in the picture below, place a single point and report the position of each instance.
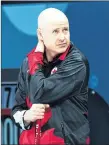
(40, 47)
(35, 112)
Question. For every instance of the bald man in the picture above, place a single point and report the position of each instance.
(52, 92)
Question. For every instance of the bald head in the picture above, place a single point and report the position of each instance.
(50, 16)
(53, 31)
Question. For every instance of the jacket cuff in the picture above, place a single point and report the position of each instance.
(26, 125)
(18, 117)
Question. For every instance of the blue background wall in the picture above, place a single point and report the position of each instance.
(89, 26)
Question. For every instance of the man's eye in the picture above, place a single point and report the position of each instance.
(55, 31)
(66, 29)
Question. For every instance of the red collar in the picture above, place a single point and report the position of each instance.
(63, 55)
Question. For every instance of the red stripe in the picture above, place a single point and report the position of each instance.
(6, 112)
(88, 141)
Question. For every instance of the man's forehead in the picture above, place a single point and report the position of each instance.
(58, 21)
(57, 24)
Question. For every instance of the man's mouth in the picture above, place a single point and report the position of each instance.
(62, 45)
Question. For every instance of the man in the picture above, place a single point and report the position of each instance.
(52, 93)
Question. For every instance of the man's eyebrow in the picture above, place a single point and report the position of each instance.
(66, 27)
(56, 29)
(60, 28)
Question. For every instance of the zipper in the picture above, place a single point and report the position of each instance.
(63, 132)
(62, 127)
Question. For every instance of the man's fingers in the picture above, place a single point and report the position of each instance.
(42, 110)
(43, 106)
(36, 118)
(37, 113)
(36, 106)
(46, 105)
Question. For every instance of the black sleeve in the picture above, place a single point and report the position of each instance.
(68, 79)
(20, 96)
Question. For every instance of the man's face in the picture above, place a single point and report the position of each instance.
(56, 36)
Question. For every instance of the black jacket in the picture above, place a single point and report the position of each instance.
(65, 89)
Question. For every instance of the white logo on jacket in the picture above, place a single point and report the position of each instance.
(54, 70)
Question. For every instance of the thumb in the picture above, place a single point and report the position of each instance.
(46, 105)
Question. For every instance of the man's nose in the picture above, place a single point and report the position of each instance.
(62, 37)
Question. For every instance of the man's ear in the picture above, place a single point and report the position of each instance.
(39, 34)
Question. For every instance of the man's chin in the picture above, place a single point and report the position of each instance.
(62, 49)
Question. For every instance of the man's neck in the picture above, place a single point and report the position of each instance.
(50, 56)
